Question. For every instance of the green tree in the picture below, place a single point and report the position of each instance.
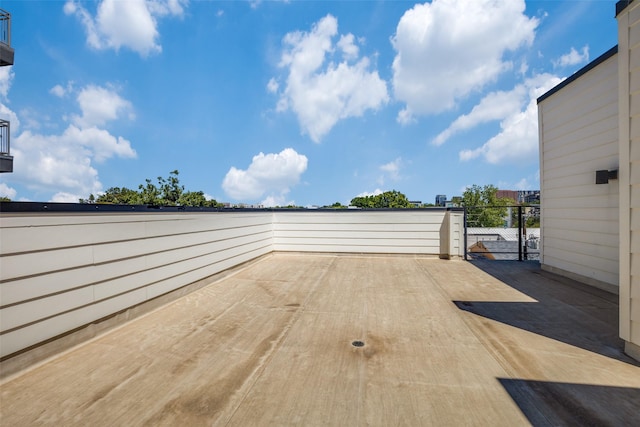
(149, 193)
(388, 199)
(170, 189)
(198, 199)
(168, 192)
(484, 207)
(532, 217)
(115, 196)
(4, 199)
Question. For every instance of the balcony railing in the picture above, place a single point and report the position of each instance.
(6, 58)
(5, 138)
(5, 27)
(6, 160)
(6, 51)
(517, 238)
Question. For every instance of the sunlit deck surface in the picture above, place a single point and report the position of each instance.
(445, 343)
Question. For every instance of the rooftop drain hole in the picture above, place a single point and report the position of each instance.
(357, 344)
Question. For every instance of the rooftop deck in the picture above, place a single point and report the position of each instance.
(445, 343)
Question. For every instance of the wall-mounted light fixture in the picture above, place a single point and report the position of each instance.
(603, 176)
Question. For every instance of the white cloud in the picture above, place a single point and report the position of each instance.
(6, 191)
(167, 7)
(391, 170)
(272, 201)
(63, 164)
(256, 3)
(62, 91)
(100, 105)
(523, 184)
(6, 79)
(448, 49)
(531, 182)
(405, 117)
(7, 114)
(63, 197)
(277, 200)
(573, 57)
(58, 91)
(518, 138)
(54, 163)
(272, 174)
(272, 86)
(321, 90)
(100, 142)
(131, 24)
(524, 67)
(348, 47)
(494, 106)
(373, 193)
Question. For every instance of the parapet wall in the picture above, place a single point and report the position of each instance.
(64, 271)
(388, 232)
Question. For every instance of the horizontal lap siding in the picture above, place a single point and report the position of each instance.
(579, 135)
(359, 231)
(629, 35)
(58, 273)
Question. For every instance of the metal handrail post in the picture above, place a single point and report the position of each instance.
(464, 219)
(520, 229)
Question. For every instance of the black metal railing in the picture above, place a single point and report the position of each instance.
(502, 232)
(5, 136)
(5, 27)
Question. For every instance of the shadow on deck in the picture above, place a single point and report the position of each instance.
(566, 310)
(574, 314)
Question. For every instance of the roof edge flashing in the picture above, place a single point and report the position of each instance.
(621, 5)
(591, 65)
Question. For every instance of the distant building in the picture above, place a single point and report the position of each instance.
(508, 194)
(520, 196)
(441, 200)
(532, 197)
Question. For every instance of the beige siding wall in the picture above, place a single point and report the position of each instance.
(60, 272)
(580, 220)
(413, 231)
(629, 122)
(452, 236)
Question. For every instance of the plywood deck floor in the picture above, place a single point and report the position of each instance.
(445, 343)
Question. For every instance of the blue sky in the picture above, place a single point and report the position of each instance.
(276, 102)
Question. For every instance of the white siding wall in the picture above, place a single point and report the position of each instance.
(629, 106)
(411, 231)
(60, 272)
(578, 128)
